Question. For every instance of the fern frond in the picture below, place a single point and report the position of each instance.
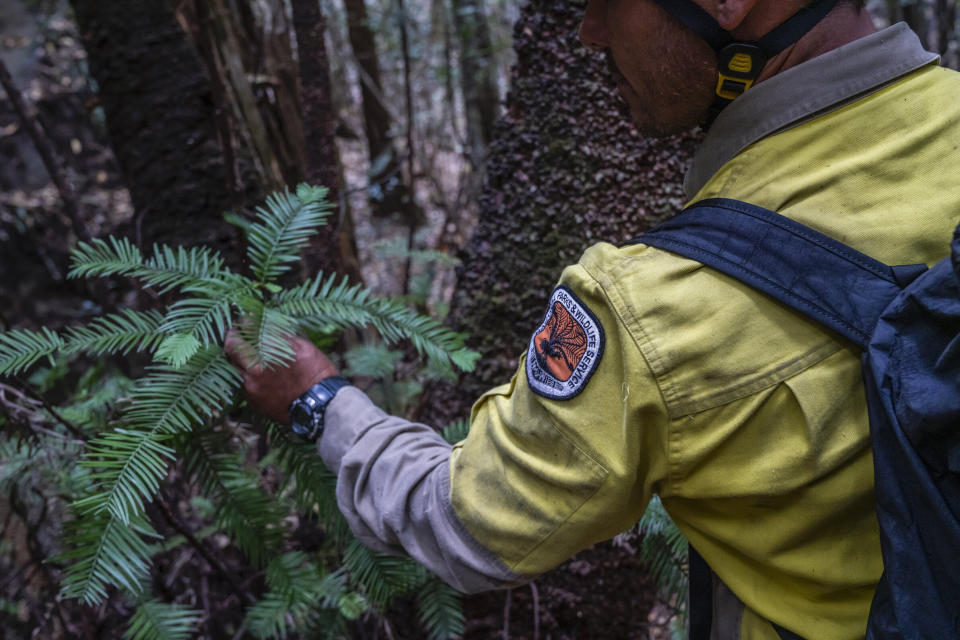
(105, 551)
(373, 360)
(314, 486)
(322, 302)
(265, 333)
(116, 333)
(206, 319)
(284, 226)
(177, 349)
(128, 464)
(155, 620)
(441, 610)
(110, 257)
(170, 268)
(198, 322)
(457, 431)
(21, 348)
(248, 515)
(382, 577)
(15, 457)
(664, 551)
(296, 591)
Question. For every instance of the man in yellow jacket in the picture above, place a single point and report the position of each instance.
(652, 374)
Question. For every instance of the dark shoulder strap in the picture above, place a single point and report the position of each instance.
(841, 288)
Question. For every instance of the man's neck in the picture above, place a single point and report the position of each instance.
(844, 25)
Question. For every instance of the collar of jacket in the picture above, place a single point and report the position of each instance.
(818, 86)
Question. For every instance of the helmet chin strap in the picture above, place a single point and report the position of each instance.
(740, 63)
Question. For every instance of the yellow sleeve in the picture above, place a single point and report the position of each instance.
(568, 453)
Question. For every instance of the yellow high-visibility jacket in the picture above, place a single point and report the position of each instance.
(653, 374)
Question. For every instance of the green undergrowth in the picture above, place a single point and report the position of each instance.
(117, 450)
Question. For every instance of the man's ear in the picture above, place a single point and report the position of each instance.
(731, 13)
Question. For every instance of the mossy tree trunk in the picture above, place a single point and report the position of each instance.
(566, 170)
(159, 112)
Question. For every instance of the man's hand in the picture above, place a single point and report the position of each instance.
(271, 391)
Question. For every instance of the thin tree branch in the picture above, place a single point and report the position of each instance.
(46, 151)
(25, 393)
(215, 564)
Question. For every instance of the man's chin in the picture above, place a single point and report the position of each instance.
(649, 123)
(650, 127)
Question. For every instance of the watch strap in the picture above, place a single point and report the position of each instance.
(312, 406)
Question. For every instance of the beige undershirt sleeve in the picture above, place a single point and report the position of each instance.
(393, 487)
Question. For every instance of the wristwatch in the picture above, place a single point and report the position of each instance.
(307, 411)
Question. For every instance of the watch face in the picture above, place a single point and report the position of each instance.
(300, 418)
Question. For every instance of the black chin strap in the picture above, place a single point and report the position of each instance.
(740, 63)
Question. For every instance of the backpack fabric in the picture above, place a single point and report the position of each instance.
(906, 319)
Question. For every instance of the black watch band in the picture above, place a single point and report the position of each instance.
(307, 411)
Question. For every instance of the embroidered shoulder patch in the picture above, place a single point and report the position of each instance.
(566, 349)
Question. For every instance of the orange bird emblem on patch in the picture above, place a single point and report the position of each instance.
(561, 344)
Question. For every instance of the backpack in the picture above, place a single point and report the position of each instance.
(906, 319)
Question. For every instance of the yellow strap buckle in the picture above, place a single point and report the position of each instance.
(740, 66)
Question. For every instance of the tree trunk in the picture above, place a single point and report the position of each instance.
(159, 113)
(316, 109)
(915, 15)
(477, 77)
(894, 14)
(389, 193)
(566, 169)
(945, 14)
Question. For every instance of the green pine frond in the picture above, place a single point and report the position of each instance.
(441, 610)
(297, 590)
(457, 431)
(266, 337)
(372, 360)
(105, 551)
(284, 226)
(116, 333)
(167, 269)
(172, 400)
(110, 257)
(16, 456)
(177, 349)
(208, 316)
(170, 268)
(664, 551)
(129, 463)
(21, 348)
(156, 620)
(382, 577)
(274, 616)
(244, 511)
(322, 303)
(314, 486)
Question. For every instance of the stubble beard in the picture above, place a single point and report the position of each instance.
(677, 99)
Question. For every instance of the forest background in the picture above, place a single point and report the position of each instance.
(471, 148)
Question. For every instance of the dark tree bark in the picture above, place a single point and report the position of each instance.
(477, 77)
(159, 112)
(566, 169)
(945, 15)
(316, 109)
(914, 14)
(389, 193)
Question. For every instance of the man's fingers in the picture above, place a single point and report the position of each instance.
(237, 352)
